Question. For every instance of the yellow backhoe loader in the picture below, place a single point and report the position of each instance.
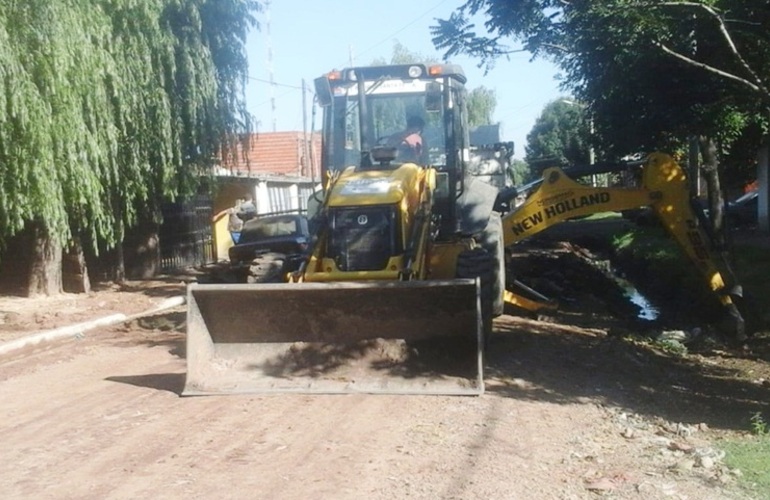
(406, 268)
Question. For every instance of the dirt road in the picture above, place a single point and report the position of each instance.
(101, 417)
(575, 408)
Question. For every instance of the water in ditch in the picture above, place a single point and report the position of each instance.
(647, 310)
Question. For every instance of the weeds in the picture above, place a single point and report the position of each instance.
(671, 347)
(758, 425)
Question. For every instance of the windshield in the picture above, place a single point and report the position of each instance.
(392, 119)
(258, 229)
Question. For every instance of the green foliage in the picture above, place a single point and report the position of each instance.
(519, 172)
(110, 106)
(561, 135)
(481, 106)
(753, 263)
(403, 55)
(602, 216)
(758, 425)
(671, 347)
(651, 72)
(649, 243)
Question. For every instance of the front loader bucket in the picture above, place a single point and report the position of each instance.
(411, 337)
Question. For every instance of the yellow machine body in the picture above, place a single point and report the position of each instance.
(405, 270)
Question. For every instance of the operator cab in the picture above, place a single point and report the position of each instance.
(371, 118)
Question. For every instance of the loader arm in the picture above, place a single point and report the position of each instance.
(664, 188)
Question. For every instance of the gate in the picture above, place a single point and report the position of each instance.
(185, 234)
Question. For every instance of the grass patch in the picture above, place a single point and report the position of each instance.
(752, 457)
(649, 243)
(752, 264)
(603, 216)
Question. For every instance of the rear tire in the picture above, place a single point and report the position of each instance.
(478, 263)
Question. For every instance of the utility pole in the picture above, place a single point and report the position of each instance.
(270, 62)
(305, 150)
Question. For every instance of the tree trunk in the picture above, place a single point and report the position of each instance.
(693, 165)
(763, 175)
(119, 270)
(142, 251)
(15, 263)
(74, 270)
(710, 156)
(106, 266)
(45, 270)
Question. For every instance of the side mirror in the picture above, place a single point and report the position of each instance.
(323, 91)
(384, 154)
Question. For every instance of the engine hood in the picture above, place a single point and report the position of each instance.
(375, 187)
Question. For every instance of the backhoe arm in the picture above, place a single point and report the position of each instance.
(664, 188)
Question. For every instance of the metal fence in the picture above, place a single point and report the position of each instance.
(185, 235)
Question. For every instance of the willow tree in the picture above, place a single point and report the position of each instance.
(107, 108)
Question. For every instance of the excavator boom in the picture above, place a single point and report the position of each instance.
(664, 188)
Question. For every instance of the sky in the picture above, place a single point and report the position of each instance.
(303, 39)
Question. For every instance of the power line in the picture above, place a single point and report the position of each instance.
(274, 83)
(269, 101)
(363, 52)
(404, 27)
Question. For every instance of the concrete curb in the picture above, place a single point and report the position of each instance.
(79, 328)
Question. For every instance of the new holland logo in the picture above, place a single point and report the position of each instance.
(558, 209)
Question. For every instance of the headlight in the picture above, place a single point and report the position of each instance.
(415, 71)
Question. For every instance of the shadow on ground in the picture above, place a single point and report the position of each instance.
(165, 329)
(530, 359)
(170, 382)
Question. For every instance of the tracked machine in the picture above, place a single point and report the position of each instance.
(406, 267)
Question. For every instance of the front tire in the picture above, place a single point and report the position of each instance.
(492, 241)
(267, 268)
